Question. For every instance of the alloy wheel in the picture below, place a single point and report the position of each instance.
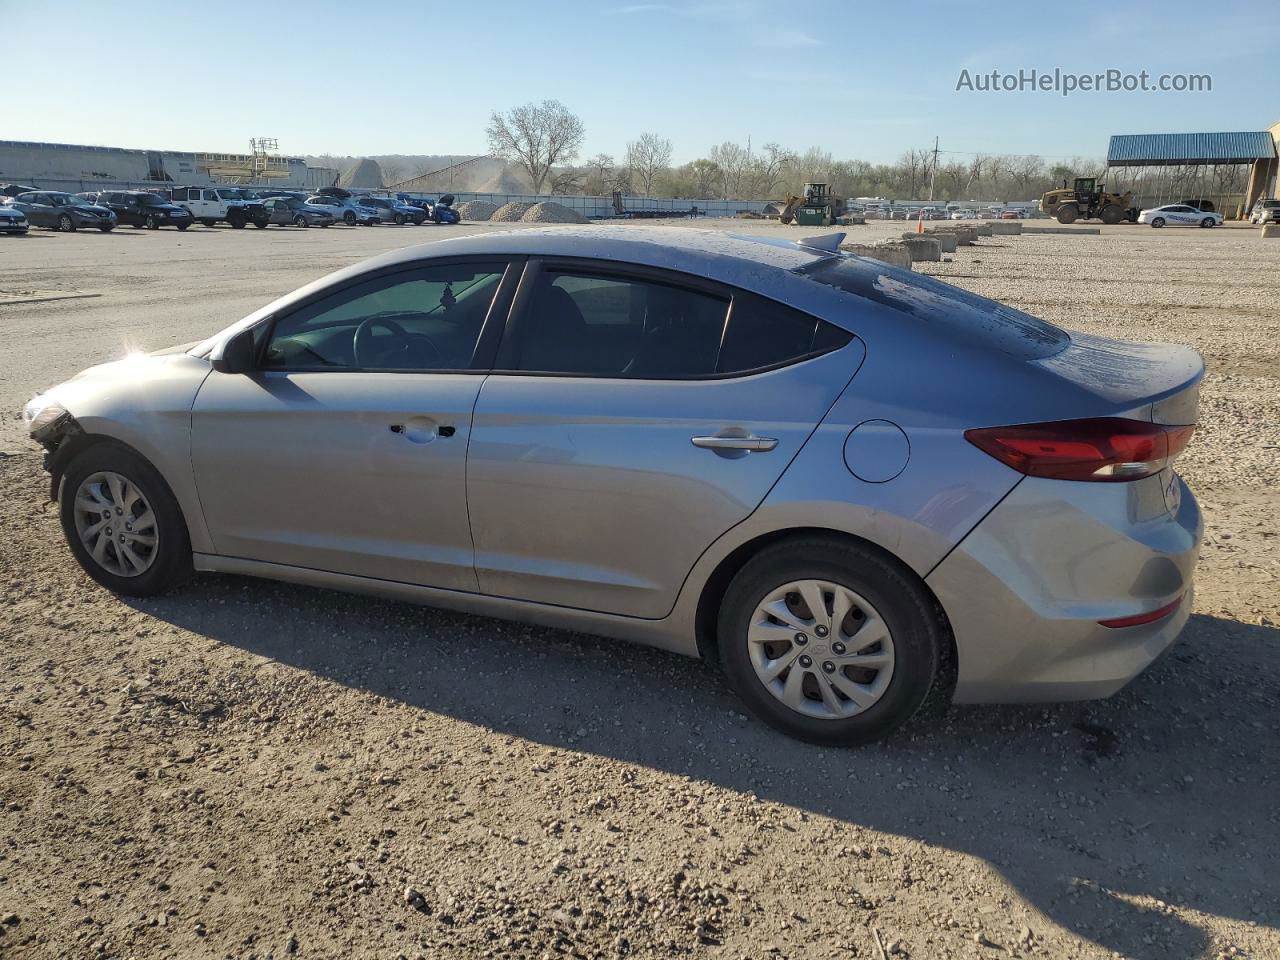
(821, 649)
(116, 524)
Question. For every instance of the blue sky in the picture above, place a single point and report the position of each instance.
(861, 79)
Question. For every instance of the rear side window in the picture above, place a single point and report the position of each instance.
(602, 325)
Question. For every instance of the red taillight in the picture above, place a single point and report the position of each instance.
(1105, 449)
(1141, 618)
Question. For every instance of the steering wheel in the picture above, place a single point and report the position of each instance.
(362, 346)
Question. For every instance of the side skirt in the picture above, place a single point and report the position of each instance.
(664, 634)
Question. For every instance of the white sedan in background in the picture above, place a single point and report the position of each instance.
(1179, 215)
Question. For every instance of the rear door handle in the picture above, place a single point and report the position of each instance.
(750, 444)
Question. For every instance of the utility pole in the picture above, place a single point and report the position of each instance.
(933, 170)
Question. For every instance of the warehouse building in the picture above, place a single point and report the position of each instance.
(75, 167)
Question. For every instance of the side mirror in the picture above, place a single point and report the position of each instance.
(237, 355)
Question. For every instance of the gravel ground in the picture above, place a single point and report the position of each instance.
(476, 211)
(548, 211)
(247, 769)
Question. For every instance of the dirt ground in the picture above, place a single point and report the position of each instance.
(251, 770)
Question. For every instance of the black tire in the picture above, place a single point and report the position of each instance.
(66, 224)
(349, 219)
(1111, 214)
(209, 223)
(182, 226)
(153, 223)
(261, 224)
(300, 221)
(1207, 222)
(107, 227)
(172, 563)
(1158, 222)
(904, 603)
(399, 219)
(1067, 213)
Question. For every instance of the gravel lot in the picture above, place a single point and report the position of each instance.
(246, 769)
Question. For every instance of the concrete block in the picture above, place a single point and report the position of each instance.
(1271, 231)
(923, 248)
(1005, 227)
(893, 254)
(982, 230)
(1082, 231)
(947, 242)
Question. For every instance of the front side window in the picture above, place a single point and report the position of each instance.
(424, 319)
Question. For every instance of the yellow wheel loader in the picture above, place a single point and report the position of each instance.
(1088, 200)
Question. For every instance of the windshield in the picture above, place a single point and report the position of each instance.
(950, 309)
(65, 200)
(231, 194)
(151, 200)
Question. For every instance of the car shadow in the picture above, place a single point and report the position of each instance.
(1113, 818)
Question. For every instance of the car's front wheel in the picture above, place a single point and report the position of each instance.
(828, 641)
(300, 221)
(349, 218)
(1207, 222)
(66, 224)
(122, 522)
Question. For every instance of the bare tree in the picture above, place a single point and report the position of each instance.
(646, 158)
(771, 167)
(537, 137)
(599, 179)
(392, 172)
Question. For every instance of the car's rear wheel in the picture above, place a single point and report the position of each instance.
(153, 223)
(1158, 222)
(123, 523)
(1207, 222)
(829, 642)
(399, 218)
(300, 221)
(66, 224)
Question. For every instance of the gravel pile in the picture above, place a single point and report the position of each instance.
(551, 212)
(511, 212)
(477, 211)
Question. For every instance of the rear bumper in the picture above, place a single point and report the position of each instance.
(9, 226)
(1025, 591)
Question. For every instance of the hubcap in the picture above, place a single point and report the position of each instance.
(821, 649)
(126, 548)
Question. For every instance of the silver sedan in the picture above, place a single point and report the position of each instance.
(852, 485)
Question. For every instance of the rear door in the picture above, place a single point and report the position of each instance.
(345, 451)
(633, 417)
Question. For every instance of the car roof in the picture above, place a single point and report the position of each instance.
(715, 254)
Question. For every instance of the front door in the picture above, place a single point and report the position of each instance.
(346, 450)
(632, 419)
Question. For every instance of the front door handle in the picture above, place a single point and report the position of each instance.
(750, 444)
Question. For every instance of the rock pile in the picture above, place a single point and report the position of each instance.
(551, 212)
(476, 210)
(511, 212)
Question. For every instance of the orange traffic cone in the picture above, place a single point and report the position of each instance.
(920, 223)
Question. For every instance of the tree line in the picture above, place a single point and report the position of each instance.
(543, 141)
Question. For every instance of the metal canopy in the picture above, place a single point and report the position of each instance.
(1176, 149)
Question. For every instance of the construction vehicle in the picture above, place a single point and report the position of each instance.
(817, 208)
(1088, 200)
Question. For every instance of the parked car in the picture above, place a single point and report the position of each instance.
(683, 438)
(287, 211)
(12, 219)
(1010, 215)
(345, 209)
(389, 210)
(140, 208)
(442, 211)
(13, 189)
(211, 205)
(1179, 215)
(1265, 211)
(960, 215)
(56, 210)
